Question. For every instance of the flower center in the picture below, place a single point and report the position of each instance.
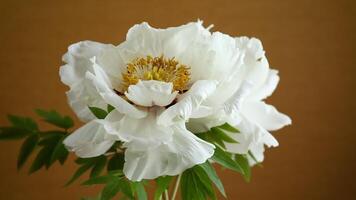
(159, 69)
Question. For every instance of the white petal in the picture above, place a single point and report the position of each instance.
(233, 104)
(267, 88)
(151, 93)
(183, 152)
(188, 103)
(142, 39)
(144, 132)
(81, 93)
(91, 140)
(265, 115)
(104, 88)
(77, 59)
(250, 135)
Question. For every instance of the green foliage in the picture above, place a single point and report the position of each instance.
(225, 159)
(96, 164)
(12, 133)
(116, 162)
(110, 108)
(195, 184)
(220, 135)
(139, 188)
(27, 148)
(115, 182)
(55, 118)
(98, 112)
(210, 171)
(162, 184)
(228, 127)
(49, 143)
(243, 162)
(23, 123)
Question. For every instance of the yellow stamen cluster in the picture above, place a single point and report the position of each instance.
(156, 68)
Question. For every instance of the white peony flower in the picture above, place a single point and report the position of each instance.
(241, 104)
(159, 81)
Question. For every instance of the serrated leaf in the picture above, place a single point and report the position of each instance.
(98, 112)
(215, 139)
(203, 182)
(210, 171)
(140, 190)
(222, 135)
(60, 152)
(98, 166)
(116, 162)
(41, 159)
(229, 128)
(98, 180)
(111, 189)
(55, 118)
(189, 187)
(80, 171)
(27, 148)
(224, 159)
(243, 162)
(12, 133)
(23, 122)
(63, 157)
(162, 184)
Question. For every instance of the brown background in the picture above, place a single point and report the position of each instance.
(311, 43)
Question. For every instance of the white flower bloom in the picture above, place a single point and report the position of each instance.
(158, 80)
(244, 108)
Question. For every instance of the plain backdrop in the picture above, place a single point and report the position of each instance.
(311, 43)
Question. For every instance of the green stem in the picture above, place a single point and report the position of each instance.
(166, 195)
(176, 187)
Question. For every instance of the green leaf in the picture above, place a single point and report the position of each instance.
(111, 189)
(224, 159)
(110, 108)
(98, 180)
(80, 171)
(189, 187)
(98, 167)
(214, 138)
(60, 152)
(162, 184)
(210, 171)
(243, 162)
(116, 162)
(222, 135)
(23, 122)
(98, 112)
(126, 188)
(55, 118)
(12, 133)
(41, 159)
(26, 149)
(203, 182)
(228, 127)
(140, 190)
(50, 140)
